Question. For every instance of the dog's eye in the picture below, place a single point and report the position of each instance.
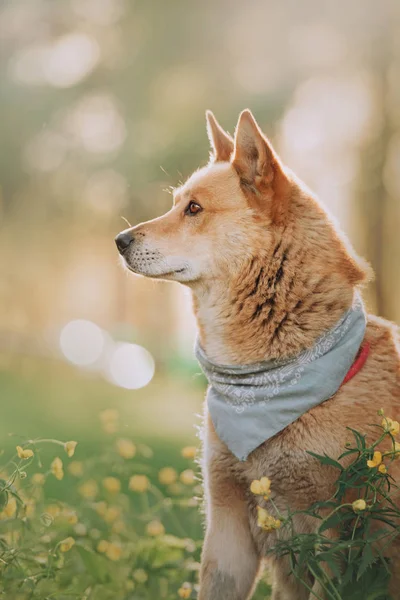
(192, 209)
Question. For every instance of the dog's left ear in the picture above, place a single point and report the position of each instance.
(221, 142)
(254, 159)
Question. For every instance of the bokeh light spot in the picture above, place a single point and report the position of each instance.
(82, 342)
(130, 366)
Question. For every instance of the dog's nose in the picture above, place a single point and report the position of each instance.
(123, 241)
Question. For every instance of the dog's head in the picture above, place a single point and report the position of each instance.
(225, 213)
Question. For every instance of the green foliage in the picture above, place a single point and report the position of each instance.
(347, 553)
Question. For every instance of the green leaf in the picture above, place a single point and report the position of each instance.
(366, 560)
(95, 565)
(326, 460)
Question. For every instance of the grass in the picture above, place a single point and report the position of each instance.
(127, 544)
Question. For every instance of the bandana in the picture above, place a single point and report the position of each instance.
(250, 404)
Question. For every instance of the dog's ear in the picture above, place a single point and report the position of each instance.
(258, 166)
(221, 142)
(254, 158)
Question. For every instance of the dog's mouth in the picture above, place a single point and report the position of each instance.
(155, 275)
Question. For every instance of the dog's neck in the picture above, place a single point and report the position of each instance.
(276, 305)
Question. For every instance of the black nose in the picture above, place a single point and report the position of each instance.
(123, 241)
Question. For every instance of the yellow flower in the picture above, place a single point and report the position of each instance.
(167, 475)
(261, 487)
(100, 508)
(266, 521)
(155, 528)
(30, 508)
(9, 510)
(102, 546)
(139, 483)
(38, 479)
(185, 590)
(112, 513)
(69, 448)
(126, 448)
(89, 489)
(129, 585)
(109, 420)
(28, 453)
(53, 510)
(140, 575)
(67, 544)
(189, 451)
(396, 450)
(56, 468)
(359, 505)
(75, 468)
(382, 468)
(376, 460)
(187, 477)
(69, 515)
(112, 485)
(118, 527)
(390, 426)
(114, 551)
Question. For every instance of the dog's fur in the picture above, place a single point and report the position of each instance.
(269, 272)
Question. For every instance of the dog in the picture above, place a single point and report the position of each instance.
(269, 273)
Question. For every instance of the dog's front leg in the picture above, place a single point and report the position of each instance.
(229, 561)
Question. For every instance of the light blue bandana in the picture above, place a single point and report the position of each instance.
(250, 404)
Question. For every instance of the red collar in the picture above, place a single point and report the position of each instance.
(358, 363)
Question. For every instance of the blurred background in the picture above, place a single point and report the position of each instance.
(102, 110)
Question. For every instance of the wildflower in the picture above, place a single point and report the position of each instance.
(155, 528)
(189, 451)
(396, 450)
(112, 513)
(69, 515)
(118, 526)
(382, 469)
(359, 505)
(53, 510)
(267, 521)
(89, 489)
(28, 453)
(38, 478)
(126, 448)
(167, 475)
(10, 509)
(129, 585)
(185, 590)
(261, 487)
(187, 477)
(109, 420)
(114, 551)
(67, 544)
(94, 534)
(69, 448)
(100, 508)
(139, 483)
(29, 508)
(112, 485)
(56, 468)
(80, 529)
(140, 575)
(390, 426)
(75, 468)
(102, 546)
(376, 460)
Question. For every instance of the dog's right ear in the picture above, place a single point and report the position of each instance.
(221, 142)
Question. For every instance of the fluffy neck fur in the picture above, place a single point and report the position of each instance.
(283, 297)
